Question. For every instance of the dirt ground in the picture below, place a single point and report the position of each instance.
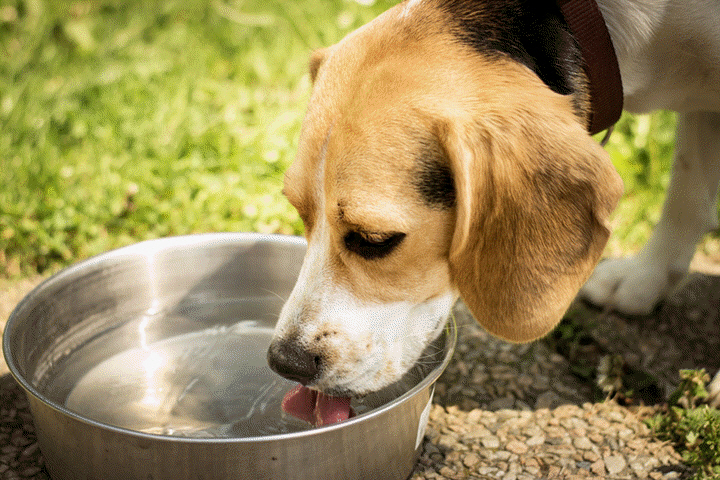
(11, 292)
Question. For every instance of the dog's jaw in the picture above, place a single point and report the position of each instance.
(370, 346)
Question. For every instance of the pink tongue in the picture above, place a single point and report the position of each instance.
(315, 407)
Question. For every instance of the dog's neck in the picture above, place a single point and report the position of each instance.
(555, 39)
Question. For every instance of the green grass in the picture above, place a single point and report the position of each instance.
(127, 120)
(641, 149)
(693, 428)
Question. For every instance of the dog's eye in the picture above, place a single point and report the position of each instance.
(371, 246)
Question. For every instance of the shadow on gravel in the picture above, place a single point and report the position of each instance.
(20, 456)
(648, 352)
(639, 357)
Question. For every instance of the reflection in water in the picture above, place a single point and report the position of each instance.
(209, 383)
(153, 394)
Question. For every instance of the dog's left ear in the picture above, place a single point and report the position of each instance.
(317, 57)
(533, 196)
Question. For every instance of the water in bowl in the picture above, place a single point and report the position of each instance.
(205, 377)
(211, 383)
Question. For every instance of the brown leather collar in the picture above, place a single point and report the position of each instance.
(601, 65)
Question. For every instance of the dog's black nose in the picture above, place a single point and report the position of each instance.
(287, 358)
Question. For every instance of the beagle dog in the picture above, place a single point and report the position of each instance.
(445, 153)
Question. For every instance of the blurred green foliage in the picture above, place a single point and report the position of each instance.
(641, 148)
(127, 120)
(691, 426)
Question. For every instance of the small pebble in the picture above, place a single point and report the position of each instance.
(583, 443)
(535, 440)
(598, 467)
(490, 442)
(471, 460)
(516, 447)
(615, 464)
(30, 471)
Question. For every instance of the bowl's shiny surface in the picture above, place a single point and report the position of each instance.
(149, 362)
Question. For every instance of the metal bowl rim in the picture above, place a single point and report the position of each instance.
(200, 239)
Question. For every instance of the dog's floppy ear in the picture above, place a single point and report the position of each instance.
(533, 195)
(317, 57)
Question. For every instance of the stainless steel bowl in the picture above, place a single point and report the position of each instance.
(148, 362)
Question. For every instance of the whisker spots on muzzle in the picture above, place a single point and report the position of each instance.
(324, 335)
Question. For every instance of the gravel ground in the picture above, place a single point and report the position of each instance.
(517, 412)
(511, 412)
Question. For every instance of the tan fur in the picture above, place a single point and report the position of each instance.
(533, 190)
(534, 193)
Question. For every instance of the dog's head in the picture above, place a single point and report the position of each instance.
(426, 170)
